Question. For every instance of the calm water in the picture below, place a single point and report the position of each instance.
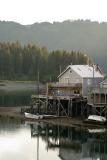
(39, 141)
(15, 98)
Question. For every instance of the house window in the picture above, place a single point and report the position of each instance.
(67, 80)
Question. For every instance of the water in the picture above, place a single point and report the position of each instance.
(21, 140)
(18, 142)
(40, 141)
(16, 98)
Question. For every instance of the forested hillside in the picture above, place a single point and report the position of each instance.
(19, 62)
(83, 36)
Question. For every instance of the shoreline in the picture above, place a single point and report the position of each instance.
(14, 112)
(9, 86)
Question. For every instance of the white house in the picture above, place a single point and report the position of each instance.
(87, 75)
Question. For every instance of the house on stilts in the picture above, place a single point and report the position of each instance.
(70, 95)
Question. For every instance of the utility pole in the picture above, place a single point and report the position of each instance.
(60, 69)
(38, 89)
(93, 83)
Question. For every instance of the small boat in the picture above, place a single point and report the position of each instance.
(95, 119)
(33, 116)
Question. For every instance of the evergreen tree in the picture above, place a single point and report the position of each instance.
(19, 62)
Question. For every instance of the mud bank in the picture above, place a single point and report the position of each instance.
(11, 112)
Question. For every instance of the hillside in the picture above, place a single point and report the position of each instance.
(85, 36)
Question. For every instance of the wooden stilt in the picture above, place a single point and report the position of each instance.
(71, 105)
(57, 105)
(76, 108)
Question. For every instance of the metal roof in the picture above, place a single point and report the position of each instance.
(85, 71)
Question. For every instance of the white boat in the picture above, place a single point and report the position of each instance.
(33, 116)
(95, 119)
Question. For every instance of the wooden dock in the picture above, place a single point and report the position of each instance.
(67, 100)
(69, 106)
(97, 101)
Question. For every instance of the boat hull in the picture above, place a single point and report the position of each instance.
(94, 122)
(32, 116)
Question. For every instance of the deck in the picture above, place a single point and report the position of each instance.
(56, 97)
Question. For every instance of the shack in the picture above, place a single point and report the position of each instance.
(85, 76)
(97, 99)
(68, 96)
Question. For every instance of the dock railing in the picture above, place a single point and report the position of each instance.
(62, 89)
(58, 84)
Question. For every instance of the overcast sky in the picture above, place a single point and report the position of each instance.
(31, 11)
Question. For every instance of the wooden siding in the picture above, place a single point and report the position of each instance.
(70, 77)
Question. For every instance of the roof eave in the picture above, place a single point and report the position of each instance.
(63, 71)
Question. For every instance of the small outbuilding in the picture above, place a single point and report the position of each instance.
(89, 76)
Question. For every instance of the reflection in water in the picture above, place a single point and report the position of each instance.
(16, 98)
(73, 143)
(16, 142)
(39, 141)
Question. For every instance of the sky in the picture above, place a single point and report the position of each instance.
(32, 11)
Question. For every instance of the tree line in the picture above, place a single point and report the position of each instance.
(18, 62)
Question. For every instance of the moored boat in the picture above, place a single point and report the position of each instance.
(96, 119)
(33, 116)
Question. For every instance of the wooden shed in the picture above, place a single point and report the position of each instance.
(86, 76)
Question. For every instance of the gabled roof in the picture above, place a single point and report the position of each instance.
(85, 71)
